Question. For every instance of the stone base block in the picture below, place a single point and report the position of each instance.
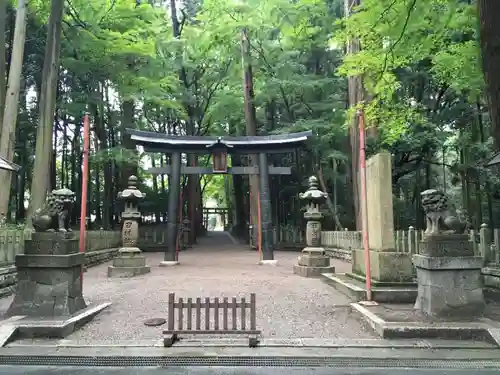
(169, 263)
(449, 286)
(446, 245)
(48, 286)
(51, 243)
(396, 325)
(48, 328)
(311, 271)
(309, 260)
(386, 266)
(135, 261)
(272, 262)
(130, 262)
(127, 271)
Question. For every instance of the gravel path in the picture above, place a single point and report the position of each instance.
(288, 306)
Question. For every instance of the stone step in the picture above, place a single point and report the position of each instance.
(345, 285)
(356, 289)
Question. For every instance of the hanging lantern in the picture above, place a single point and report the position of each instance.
(219, 160)
(219, 155)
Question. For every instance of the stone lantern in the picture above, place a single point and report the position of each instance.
(130, 261)
(313, 262)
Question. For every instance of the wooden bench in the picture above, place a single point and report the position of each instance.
(211, 308)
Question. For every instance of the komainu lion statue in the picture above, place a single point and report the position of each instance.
(439, 214)
(57, 204)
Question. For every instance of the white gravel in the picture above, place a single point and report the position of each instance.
(288, 306)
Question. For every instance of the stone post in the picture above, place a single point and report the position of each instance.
(174, 187)
(387, 265)
(130, 261)
(265, 211)
(448, 273)
(313, 261)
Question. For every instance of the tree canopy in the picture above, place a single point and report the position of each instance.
(218, 67)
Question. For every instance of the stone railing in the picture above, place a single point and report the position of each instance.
(101, 246)
(486, 243)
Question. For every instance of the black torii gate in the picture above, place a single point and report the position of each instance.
(219, 147)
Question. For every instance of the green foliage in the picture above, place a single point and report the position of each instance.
(419, 62)
(400, 37)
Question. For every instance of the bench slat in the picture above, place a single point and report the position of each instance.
(207, 313)
(171, 311)
(243, 315)
(233, 313)
(181, 317)
(253, 312)
(189, 314)
(198, 313)
(224, 313)
(216, 314)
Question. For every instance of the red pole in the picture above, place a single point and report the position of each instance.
(259, 227)
(85, 176)
(364, 202)
(178, 245)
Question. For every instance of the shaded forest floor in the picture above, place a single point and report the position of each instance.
(288, 306)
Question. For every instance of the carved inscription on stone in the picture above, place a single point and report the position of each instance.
(313, 233)
(129, 233)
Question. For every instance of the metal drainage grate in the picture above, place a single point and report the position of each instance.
(243, 361)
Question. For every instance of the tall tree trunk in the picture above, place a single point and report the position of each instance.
(53, 159)
(355, 96)
(487, 186)
(193, 181)
(489, 14)
(8, 134)
(109, 166)
(250, 116)
(128, 121)
(47, 108)
(3, 65)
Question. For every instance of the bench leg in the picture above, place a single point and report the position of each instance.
(253, 342)
(169, 341)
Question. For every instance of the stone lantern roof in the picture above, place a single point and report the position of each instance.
(313, 194)
(131, 192)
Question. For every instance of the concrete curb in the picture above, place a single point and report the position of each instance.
(286, 344)
(459, 331)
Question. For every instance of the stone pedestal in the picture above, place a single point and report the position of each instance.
(48, 273)
(449, 277)
(313, 262)
(129, 262)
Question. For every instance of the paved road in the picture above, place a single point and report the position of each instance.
(36, 370)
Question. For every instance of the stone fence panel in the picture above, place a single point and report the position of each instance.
(100, 246)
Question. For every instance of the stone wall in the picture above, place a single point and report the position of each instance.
(101, 246)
